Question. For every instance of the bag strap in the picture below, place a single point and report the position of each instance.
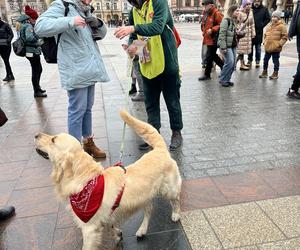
(66, 4)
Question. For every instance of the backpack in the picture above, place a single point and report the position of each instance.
(3, 35)
(19, 46)
(216, 35)
(49, 46)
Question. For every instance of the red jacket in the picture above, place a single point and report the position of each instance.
(212, 21)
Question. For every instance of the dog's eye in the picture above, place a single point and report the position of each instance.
(53, 139)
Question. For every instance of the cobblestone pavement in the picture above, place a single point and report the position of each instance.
(240, 158)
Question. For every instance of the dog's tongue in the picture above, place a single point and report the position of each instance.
(42, 153)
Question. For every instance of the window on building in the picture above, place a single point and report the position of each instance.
(196, 3)
(187, 3)
(125, 6)
(11, 5)
(98, 7)
(115, 6)
(108, 6)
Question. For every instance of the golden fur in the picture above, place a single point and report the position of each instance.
(155, 173)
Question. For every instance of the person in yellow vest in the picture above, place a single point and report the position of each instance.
(151, 23)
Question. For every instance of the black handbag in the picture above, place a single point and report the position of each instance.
(19, 47)
(3, 118)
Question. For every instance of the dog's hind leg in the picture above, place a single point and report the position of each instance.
(144, 226)
(171, 191)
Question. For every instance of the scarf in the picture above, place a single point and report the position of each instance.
(86, 9)
(86, 203)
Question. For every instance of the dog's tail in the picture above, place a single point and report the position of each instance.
(145, 130)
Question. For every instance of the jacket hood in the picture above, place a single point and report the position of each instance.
(23, 18)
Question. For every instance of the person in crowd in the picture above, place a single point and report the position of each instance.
(159, 64)
(227, 43)
(287, 15)
(80, 64)
(274, 39)
(6, 35)
(8, 211)
(135, 73)
(246, 23)
(294, 30)
(33, 52)
(261, 19)
(204, 46)
(210, 27)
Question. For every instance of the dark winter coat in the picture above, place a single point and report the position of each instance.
(261, 19)
(6, 34)
(293, 26)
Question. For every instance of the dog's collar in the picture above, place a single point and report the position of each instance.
(119, 164)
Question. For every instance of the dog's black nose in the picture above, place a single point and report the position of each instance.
(37, 136)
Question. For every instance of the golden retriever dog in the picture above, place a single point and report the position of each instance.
(154, 174)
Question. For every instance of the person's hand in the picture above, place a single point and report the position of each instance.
(209, 31)
(79, 21)
(132, 49)
(124, 31)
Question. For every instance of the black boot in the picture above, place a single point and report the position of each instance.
(133, 89)
(9, 78)
(6, 213)
(176, 140)
(41, 90)
(39, 94)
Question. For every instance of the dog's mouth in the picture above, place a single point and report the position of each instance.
(42, 153)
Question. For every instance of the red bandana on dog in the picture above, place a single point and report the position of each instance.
(86, 203)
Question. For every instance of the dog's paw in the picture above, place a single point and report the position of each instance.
(175, 217)
(140, 234)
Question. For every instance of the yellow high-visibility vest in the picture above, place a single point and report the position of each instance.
(156, 66)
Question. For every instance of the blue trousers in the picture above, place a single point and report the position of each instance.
(80, 112)
(229, 63)
(257, 53)
(275, 57)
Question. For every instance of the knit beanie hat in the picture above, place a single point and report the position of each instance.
(244, 2)
(206, 2)
(31, 12)
(277, 14)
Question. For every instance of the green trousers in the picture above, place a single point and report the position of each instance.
(169, 86)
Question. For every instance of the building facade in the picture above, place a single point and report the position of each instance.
(111, 11)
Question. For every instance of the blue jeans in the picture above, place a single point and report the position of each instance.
(229, 63)
(80, 112)
(275, 57)
(257, 53)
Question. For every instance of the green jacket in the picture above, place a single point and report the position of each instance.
(227, 34)
(30, 38)
(161, 17)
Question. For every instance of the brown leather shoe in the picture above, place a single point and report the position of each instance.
(90, 147)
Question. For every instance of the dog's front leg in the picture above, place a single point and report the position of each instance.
(92, 237)
(144, 227)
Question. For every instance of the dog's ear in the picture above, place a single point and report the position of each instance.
(67, 165)
(63, 168)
